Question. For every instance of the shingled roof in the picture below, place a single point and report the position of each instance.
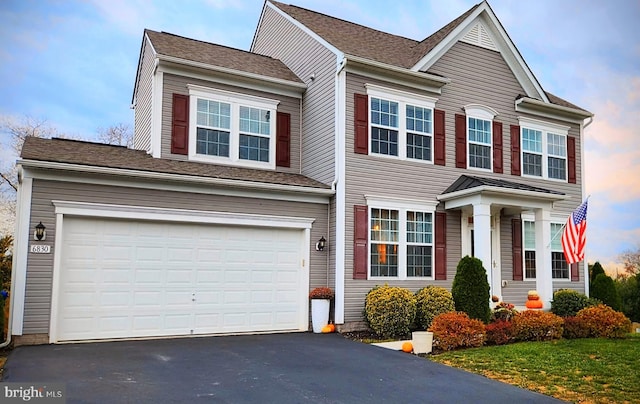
(358, 40)
(217, 55)
(119, 157)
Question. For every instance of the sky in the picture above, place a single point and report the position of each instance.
(74, 63)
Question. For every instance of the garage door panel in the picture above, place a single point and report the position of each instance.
(123, 279)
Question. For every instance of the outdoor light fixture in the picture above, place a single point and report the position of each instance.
(321, 244)
(40, 234)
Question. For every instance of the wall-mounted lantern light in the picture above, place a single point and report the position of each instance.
(40, 233)
(321, 244)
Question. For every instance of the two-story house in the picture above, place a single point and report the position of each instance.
(330, 154)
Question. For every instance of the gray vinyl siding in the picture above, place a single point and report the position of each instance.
(478, 76)
(178, 84)
(516, 291)
(37, 308)
(144, 101)
(279, 38)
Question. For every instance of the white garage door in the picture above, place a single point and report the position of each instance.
(123, 279)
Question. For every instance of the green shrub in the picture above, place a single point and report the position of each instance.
(575, 327)
(503, 312)
(603, 321)
(605, 290)
(594, 270)
(431, 301)
(470, 289)
(629, 291)
(537, 325)
(499, 332)
(568, 302)
(456, 330)
(390, 311)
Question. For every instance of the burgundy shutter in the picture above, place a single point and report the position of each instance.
(441, 246)
(571, 159)
(180, 124)
(515, 150)
(575, 273)
(283, 139)
(461, 141)
(361, 120)
(360, 250)
(516, 247)
(438, 138)
(497, 147)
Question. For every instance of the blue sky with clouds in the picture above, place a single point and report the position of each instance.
(74, 64)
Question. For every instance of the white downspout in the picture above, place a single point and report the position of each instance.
(338, 186)
(583, 126)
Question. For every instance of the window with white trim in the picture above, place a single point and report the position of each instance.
(400, 242)
(544, 149)
(232, 128)
(529, 246)
(559, 266)
(480, 136)
(401, 124)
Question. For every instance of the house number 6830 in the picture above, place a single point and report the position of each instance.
(41, 249)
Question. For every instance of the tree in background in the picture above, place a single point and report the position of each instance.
(631, 261)
(628, 288)
(119, 134)
(470, 289)
(594, 270)
(605, 290)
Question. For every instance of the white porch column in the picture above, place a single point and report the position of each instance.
(544, 281)
(482, 236)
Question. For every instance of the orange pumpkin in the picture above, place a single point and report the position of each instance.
(407, 347)
(533, 304)
(326, 329)
(333, 327)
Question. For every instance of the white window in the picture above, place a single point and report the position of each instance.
(529, 238)
(401, 124)
(480, 136)
(559, 266)
(400, 239)
(544, 149)
(231, 128)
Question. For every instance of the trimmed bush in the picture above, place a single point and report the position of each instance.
(390, 311)
(605, 290)
(503, 312)
(537, 325)
(456, 330)
(603, 321)
(575, 327)
(430, 302)
(470, 289)
(594, 270)
(499, 332)
(568, 302)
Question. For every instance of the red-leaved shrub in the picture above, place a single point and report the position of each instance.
(537, 325)
(455, 330)
(603, 321)
(575, 327)
(499, 332)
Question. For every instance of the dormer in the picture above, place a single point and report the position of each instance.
(209, 103)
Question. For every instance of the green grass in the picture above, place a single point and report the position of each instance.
(592, 370)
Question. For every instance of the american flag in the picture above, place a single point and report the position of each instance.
(574, 236)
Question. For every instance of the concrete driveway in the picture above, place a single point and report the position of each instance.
(278, 368)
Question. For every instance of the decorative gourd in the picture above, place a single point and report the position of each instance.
(326, 329)
(533, 295)
(407, 347)
(533, 300)
(333, 327)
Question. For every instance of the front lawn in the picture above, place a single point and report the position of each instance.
(590, 370)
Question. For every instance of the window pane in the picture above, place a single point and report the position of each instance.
(530, 264)
(384, 113)
(556, 237)
(557, 168)
(479, 156)
(212, 142)
(384, 260)
(418, 260)
(419, 227)
(529, 235)
(418, 119)
(418, 147)
(559, 266)
(255, 121)
(255, 148)
(384, 225)
(479, 131)
(556, 145)
(532, 164)
(213, 114)
(531, 140)
(384, 141)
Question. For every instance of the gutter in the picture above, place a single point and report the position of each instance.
(48, 165)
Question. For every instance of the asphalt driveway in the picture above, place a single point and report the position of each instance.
(278, 368)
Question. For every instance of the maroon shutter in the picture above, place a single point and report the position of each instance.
(461, 141)
(360, 250)
(361, 120)
(441, 246)
(515, 150)
(575, 273)
(283, 139)
(438, 138)
(497, 147)
(571, 159)
(516, 247)
(180, 124)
